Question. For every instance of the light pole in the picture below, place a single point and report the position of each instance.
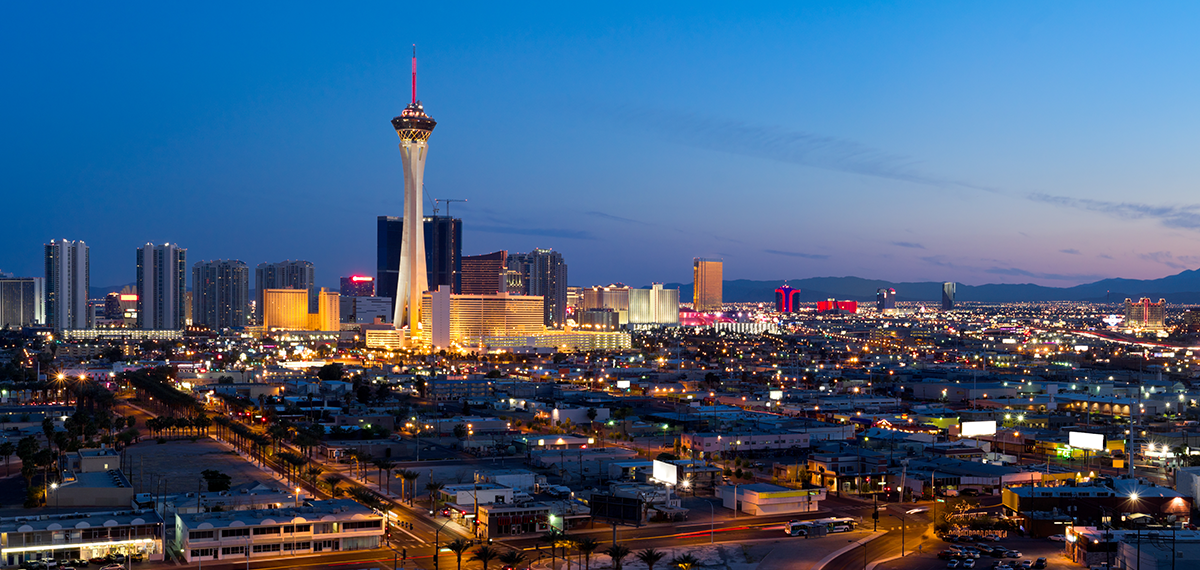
(712, 522)
(54, 488)
(437, 545)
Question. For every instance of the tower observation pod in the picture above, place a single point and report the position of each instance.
(414, 127)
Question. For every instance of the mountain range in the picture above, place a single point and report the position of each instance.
(1183, 287)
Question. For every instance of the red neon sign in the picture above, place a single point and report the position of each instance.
(361, 278)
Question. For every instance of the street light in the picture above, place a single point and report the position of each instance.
(437, 545)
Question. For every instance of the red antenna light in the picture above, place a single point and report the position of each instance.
(414, 79)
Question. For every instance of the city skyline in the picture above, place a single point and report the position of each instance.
(1031, 152)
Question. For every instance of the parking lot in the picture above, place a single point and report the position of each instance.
(1030, 550)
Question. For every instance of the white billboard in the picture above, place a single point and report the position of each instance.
(776, 394)
(1084, 440)
(666, 472)
(976, 429)
(623, 384)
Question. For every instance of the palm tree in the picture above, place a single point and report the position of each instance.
(586, 546)
(386, 465)
(6, 450)
(410, 477)
(485, 554)
(552, 537)
(512, 558)
(333, 481)
(458, 547)
(650, 557)
(433, 487)
(617, 552)
(685, 562)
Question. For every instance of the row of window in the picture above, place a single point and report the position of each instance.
(320, 528)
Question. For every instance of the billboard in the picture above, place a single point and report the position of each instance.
(976, 429)
(615, 509)
(666, 472)
(623, 384)
(776, 394)
(1084, 440)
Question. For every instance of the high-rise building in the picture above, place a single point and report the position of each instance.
(285, 309)
(328, 315)
(68, 276)
(442, 239)
(948, 289)
(466, 319)
(838, 307)
(615, 297)
(365, 310)
(357, 286)
(654, 306)
(413, 127)
(22, 302)
(220, 294)
(885, 300)
(1145, 314)
(706, 285)
(112, 307)
(484, 274)
(787, 300)
(285, 275)
(162, 285)
(543, 273)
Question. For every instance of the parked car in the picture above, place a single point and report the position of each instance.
(999, 552)
(968, 564)
(953, 564)
(113, 567)
(1026, 564)
(1014, 554)
(992, 537)
(1058, 537)
(1040, 563)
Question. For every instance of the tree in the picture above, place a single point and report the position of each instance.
(434, 487)
(459, 547)
(650, 557)
(6, 450)
(334, 480)
(552, 537)
(410, 478)
(513, 558)
(617, 552)
(586, 546)
(385, 465)
(363, 395)
(216, 480)
(591, 414)
(685, 562)
(485, 554)
(460, 431)
(330, 372)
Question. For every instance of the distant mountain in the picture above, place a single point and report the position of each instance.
(1183, 287)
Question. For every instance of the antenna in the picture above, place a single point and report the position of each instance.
(414, 75)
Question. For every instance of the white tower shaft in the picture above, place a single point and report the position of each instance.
(413, 280)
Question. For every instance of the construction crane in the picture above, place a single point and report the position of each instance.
(446, 201)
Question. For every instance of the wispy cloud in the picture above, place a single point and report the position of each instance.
(1184, 217)
(544, 232)
(1104, 256)
(610, 217)
(1070, 251)
(1171, 260)
(1037, 275)
(796, 254)
(913, 245)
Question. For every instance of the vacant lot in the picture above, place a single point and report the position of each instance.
(177, 465)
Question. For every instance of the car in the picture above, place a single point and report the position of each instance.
(1014, 554)
(953, 564)
(951, 538)
(968, 564)
(1026, 564)
(112, 567)
(970, 492)
(945, 555)
(966, 538)
(98, 560)
(1058, 537)
(999, 552)
(992, 537)
(1039, 563)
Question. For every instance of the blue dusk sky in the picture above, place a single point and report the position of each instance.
(982, 142)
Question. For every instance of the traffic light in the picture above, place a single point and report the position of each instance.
(404, 554)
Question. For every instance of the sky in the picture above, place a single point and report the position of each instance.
(979, 142)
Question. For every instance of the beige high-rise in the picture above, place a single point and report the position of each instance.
(706, 285)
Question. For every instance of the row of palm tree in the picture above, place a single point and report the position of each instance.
(585, 546)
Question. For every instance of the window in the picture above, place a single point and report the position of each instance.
(266, 530)
(203, 552)
(235, 532)
(357, 525)
(200, 535)
(325, 528)
(233, 550)
(266, 548)
(289, 529)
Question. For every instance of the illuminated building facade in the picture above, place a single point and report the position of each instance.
(465, 319)
(543, 273)
(162, 287)
(287, 274)
(835, 306)
(560, 340)
(484, 274)
(220, 294)
(655, 306)
(948, 290)
(442, 239)
(328, 315)
(357, 286)
(787, 300)
(68, 276)
(706, 285)
(413, 127)
(1145, 314)
(885, 300)
(285, 309)
(613, 297)
(598, 319)
(22, 302)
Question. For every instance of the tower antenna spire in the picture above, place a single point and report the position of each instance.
(414, 75)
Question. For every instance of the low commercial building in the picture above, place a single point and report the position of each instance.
(467, 495)
(767, 499)
(318, 527)
(81, 535)
(1094, 503)
(711, 442)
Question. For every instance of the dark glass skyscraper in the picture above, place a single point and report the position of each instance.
(484, 274)
(543, 272)
(443, 253)
(285, 275)
(220, 294)
(885, 299)
(948, 290)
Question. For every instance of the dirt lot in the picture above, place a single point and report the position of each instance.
(178, 463)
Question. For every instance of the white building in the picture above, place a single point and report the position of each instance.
(654, 305)
(81, 535)
(161, 286)
(68, 267)
(467, 495)
(317, 527)
(766, 499)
